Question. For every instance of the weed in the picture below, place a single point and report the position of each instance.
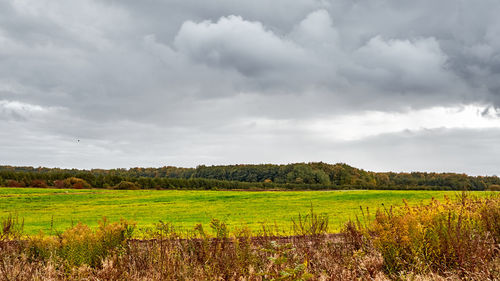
(12, 228)
(81, 245)
(439, 236)
(311, 224)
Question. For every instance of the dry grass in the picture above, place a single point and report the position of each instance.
(460, 236)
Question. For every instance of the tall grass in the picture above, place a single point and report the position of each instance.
(460, 234)
(80, 245)
(311, 224)
(11, 228)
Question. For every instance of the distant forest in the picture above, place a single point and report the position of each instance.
(265, 176)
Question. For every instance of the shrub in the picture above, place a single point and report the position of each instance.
(494, 187)
(59, 184)
(76, 183)
(126, 185)
(38, 183)
(14, 183)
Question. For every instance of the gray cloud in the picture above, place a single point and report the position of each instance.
(221, 44)
(139, 80)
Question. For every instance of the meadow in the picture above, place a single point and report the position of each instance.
(53, 210)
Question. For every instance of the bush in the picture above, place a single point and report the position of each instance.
(126, 185)
(494, 187)
(14, 183)
(76, 183)
(38, 183)
(59, 184)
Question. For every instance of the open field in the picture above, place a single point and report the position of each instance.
(63, 207)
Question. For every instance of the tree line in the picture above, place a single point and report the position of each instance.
(317, 175)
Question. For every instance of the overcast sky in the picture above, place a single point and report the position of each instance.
(384, 85)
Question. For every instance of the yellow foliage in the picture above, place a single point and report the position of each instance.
(447, 234)
(81, 245)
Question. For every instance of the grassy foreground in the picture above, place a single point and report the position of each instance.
(456, 239)
(42, 209)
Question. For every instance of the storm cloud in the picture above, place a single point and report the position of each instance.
(153, 83)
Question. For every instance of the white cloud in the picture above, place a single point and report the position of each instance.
(233, 42)
(372, 123)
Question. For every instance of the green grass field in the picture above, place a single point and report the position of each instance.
(41, 207)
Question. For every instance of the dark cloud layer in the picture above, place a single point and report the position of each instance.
(177, 82)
